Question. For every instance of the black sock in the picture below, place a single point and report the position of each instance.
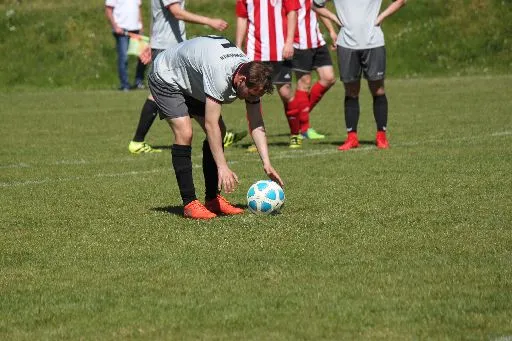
(380, 112)
(147, 116)
(182, 164)
(210, 173)
(351, 113)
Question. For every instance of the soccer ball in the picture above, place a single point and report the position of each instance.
(265, 197)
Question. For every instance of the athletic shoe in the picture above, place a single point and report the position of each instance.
(312, 134)
(220, 205)
(252, 148)
(350, 142)
(196, 210)
(295, 141)
(232, 138)
(141, 147)
(381, 140)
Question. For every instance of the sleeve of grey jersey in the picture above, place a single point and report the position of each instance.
(319, 3)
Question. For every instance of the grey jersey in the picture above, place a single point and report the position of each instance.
(358, 18)
(166, 30)
(201, 67)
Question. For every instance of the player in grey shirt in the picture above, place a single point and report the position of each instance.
(193, 80)
(168, 29)
(360, 49)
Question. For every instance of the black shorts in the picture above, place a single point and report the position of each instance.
(281, 72)
(172, 103)
(308, 60)
(370, 62)
(154, 53)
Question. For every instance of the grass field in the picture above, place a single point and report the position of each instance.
(411, 243)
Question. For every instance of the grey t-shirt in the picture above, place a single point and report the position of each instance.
(358, 18)
(200, 67)
(166, 30)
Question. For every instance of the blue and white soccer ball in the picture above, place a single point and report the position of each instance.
(265, 197)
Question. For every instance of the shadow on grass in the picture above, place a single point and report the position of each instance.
(339, 143)
(285, 144)
(270, 144)
(178, 210)
(161, 147)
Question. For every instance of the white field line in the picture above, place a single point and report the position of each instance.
(275, 156)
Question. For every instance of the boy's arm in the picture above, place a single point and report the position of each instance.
(391, 9)
(241, 31)
(257, 128)
(227, 179)
(182, 14)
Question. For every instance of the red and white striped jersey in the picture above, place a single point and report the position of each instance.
(266, 29)
(307, 33)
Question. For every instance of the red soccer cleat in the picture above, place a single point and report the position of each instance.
(381, 140)
(350, 142)
(220, 205)
(196, 210)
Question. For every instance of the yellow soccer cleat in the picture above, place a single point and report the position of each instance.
(141, 148)
(295, 141)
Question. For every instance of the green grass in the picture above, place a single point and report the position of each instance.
(58, 43)
(411, 243)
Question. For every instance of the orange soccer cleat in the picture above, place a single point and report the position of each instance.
(196, 210)
(220, 205)
(350, 142)
(381, 140)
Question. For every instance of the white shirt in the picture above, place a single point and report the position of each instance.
(126, 13)
(358, 18)
(201, 67)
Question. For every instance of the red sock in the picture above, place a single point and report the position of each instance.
(302, 102)
(292, 115)
(316, 94)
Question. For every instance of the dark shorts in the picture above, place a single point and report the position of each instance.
(308, 60)
(281, 72)
(370, 62)
(172, 103)
(154, 53)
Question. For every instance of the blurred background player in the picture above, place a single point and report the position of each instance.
(311, 53)
(208, 72)
(270, 28)
(168, 29)
(125, 16)
(361, 50)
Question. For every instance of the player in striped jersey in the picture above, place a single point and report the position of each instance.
(193, 80)
(269, 26)
(311, 53)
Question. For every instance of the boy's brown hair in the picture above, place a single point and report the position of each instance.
(258, 74)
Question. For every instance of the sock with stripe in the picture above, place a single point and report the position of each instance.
(380, 111)
(351, 113)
